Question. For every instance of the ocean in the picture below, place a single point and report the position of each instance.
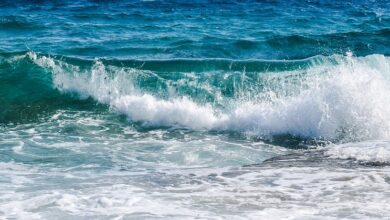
(195, 109)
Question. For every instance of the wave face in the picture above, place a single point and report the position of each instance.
(202, 109)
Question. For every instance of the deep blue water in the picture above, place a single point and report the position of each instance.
(199, 29)
(194, 109)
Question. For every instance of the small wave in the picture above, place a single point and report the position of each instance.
(327, 44)
(367, 151)
(291, 40)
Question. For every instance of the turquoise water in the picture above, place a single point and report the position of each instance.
(202, 110)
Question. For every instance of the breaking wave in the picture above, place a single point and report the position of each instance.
(337, 98)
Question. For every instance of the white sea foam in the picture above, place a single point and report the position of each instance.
(180, 111)
(367, 151)
(347, 101)
(205, 193)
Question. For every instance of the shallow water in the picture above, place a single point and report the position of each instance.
(204, 110)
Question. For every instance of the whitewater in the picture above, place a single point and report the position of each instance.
(334, 102)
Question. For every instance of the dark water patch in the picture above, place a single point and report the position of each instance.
(182, 42)
(314, 158)
(384, 32)
(291, 141)
(246, 44)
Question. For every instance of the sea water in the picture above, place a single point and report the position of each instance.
(194, 110)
